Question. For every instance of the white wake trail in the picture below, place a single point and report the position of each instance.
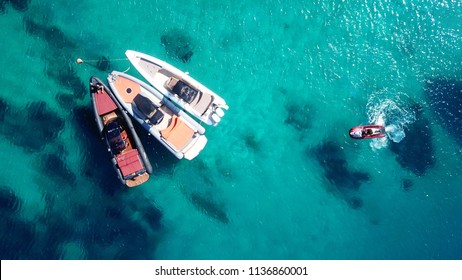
(392, 112)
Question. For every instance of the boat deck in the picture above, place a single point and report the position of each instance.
(178, 134)
(137, 180)
(199, 101)
(104, 103)
(127, 89)
(180, 87)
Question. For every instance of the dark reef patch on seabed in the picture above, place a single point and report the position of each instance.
(58, 231)
(251, 141)
(57, 170)
(355, 202)
(16, 239)
(67, 77)
(32, 127)
(46, 123)
(61, 48)
(65, 100)
(151, 215)
(298, 116)
(104, 64)
(2, 7)
(224, 168)
(415, 151)
(406, 184)
(209, 207)
(113, 212)
(178, 44)
(3, 109)
(204, 172)
(445, 99)
(332, 159)
(199, 188)
(51, 34)
(9, 202)
(18, 5)
(109, 230)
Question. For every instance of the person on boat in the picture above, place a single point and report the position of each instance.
(357, 133)
(96, 87)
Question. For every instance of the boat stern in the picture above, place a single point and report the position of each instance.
(196, 147)
(138, 180)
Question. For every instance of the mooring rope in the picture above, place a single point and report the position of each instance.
(80, 61)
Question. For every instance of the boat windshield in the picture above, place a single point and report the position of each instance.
(114, 138)
(184, 91)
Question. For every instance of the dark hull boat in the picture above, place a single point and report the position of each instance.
(367, 132)
(128, 155)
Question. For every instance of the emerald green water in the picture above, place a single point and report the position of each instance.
(279, 178)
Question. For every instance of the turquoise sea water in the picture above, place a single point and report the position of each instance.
(279, 178)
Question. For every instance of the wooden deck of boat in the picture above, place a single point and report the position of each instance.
(109, 117)
(137, 180)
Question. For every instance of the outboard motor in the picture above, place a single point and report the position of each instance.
(216, 118)
(220, 112)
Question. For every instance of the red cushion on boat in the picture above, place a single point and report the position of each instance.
(129, 162)
(104, 103)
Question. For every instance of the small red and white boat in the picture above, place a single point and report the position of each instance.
(367, 132)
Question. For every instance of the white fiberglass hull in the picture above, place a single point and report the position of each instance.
(179, 87)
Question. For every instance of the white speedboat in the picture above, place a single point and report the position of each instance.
(175, 129)
(179, 87)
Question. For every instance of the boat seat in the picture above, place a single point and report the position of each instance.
(202, 102)
(178, 133)
(170, 83)
(113, 132)
(130, 164)
(157, 117)
(109, 117)
(148, 109)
